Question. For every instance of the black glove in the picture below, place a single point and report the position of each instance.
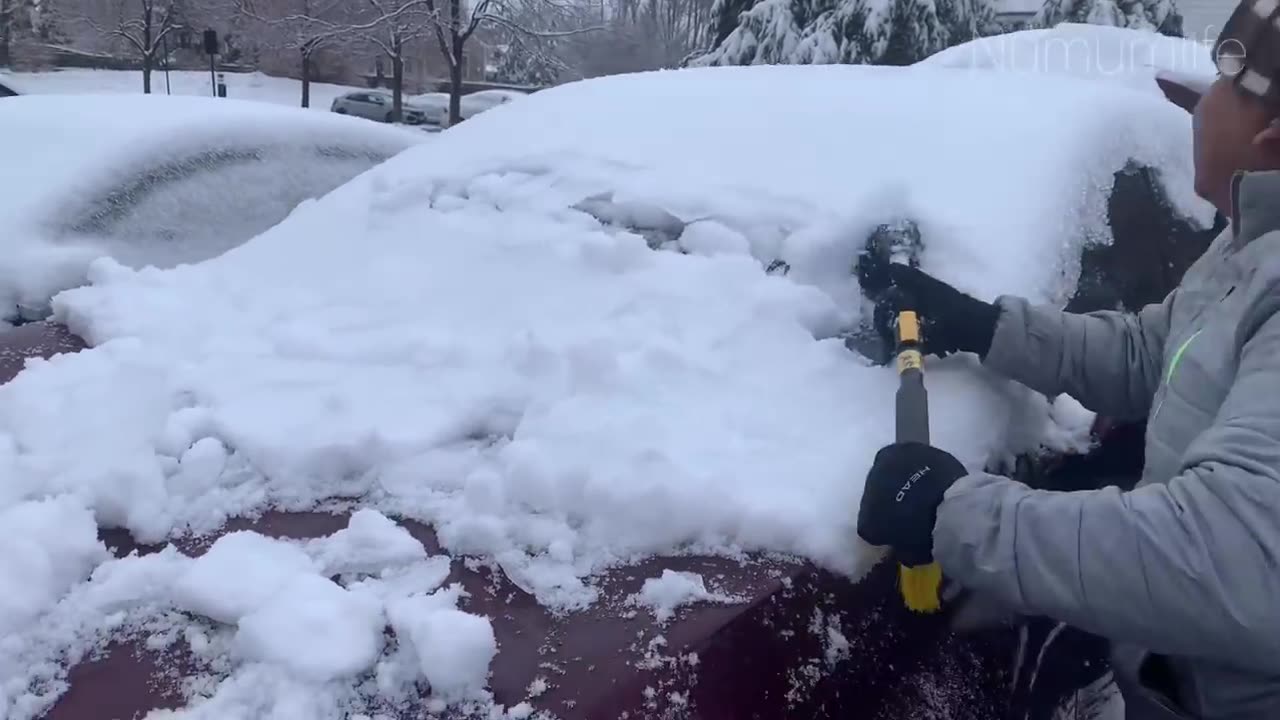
(900, 501)
(951, 320)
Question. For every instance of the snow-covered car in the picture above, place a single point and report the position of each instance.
(433, 106)
(156, 180)
(473, 104)
(570, 412)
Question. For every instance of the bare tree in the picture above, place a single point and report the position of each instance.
(396, 24)
(140, 25)
(308, 26)
(305, 27)
(11, 12)
(544, 19)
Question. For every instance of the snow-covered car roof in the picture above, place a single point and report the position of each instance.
(477, 335)
(484, 100)
(1126, 56)
(90, 174)
(436, 98)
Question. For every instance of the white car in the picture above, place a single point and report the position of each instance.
(433, 106)
(158, 180)
(475, 103)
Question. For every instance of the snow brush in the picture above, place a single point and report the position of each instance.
(920, 584)
(879, 341)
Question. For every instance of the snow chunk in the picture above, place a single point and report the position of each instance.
(46, 546)
(237, 574)
(712, 238)
(371, 542)
(664, 594)
(314, 628)
(520, 711)
(129, 593)
(413, 579)
(453, 648)
(199, 467)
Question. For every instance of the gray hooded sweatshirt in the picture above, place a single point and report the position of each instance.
(1187, 564)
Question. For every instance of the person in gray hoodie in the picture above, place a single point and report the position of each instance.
(1181, 573)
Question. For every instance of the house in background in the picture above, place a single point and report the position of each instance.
(1012, 14)
(1201, 19)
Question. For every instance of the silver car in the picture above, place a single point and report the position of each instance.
(374, 105)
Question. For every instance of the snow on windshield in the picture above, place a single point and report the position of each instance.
(158, 179)
(447, 338)
(1127, 56)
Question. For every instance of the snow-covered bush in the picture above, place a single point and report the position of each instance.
(1159, 15)
(882, 32)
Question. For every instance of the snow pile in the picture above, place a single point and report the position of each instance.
(122, 598)
(1128, 57)
(268, 628)
(46, 547)
(315, 628)
(370, 543)
(465, 347)
(674, 589)
(452, 648)
(238, 574)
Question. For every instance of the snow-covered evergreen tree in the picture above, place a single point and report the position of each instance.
(892, 32)
(1161, 16)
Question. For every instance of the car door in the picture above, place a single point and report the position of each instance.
(379, 106)
(359, 104)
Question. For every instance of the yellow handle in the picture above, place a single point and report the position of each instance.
(921, 587)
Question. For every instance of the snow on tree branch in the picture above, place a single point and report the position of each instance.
(890, 32)
(309, 24)
(1161, 16)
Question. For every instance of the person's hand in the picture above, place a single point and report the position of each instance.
(900, 500)
(951, 320)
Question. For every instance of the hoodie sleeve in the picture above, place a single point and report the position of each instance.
(1109, 361)
(1184, 568)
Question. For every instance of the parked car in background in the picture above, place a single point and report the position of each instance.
(434, 107)
(158, 180)
(375, 105)
(477, 102)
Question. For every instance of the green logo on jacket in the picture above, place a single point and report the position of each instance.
(1177, 356)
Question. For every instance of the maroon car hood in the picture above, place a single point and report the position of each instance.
(804, 644)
